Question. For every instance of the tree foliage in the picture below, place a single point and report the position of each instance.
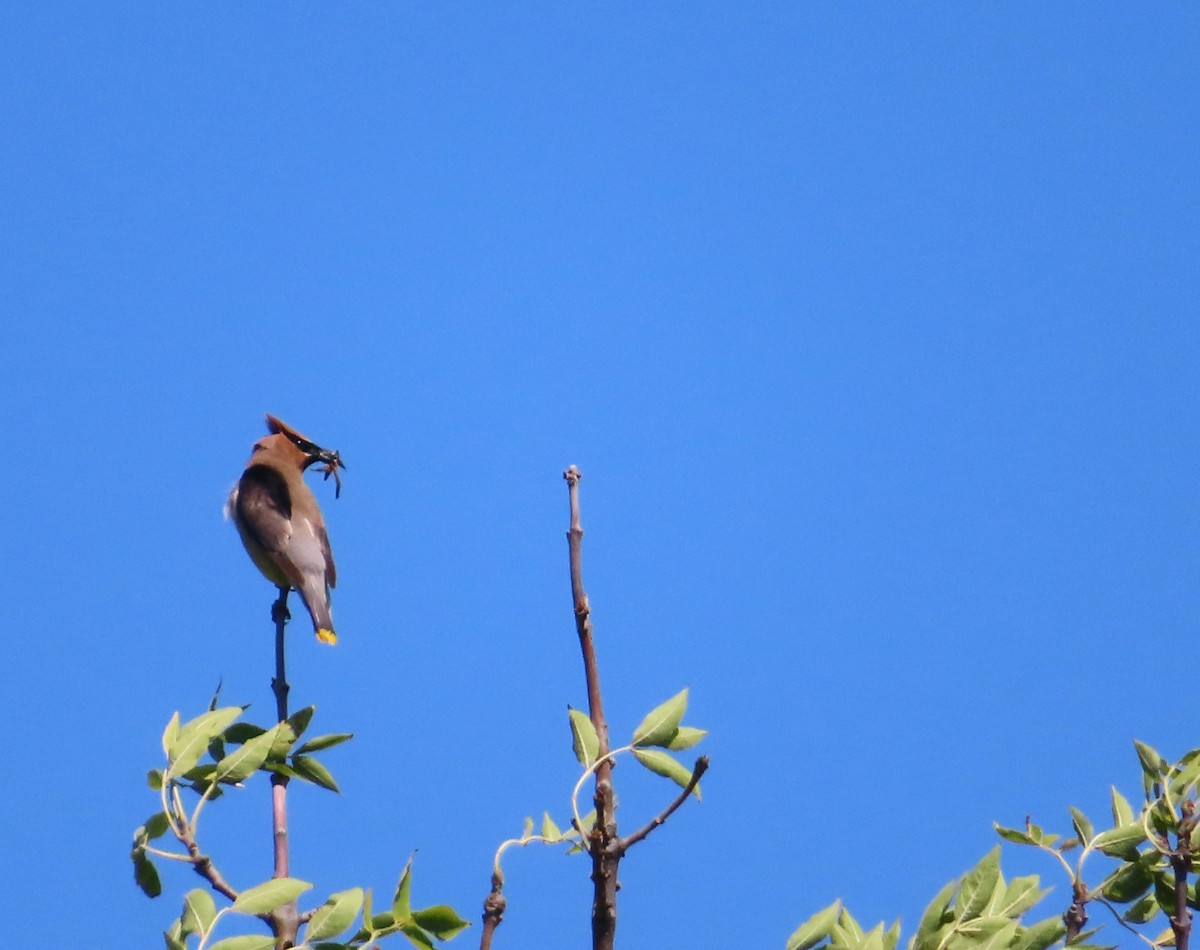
(1136, 871)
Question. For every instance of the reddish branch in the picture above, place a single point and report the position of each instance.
(203, 866)
(1076, 917)
(493, 912)
(603, 843)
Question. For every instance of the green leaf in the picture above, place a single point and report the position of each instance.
(1127, 883)
(1184, 781)
(300, 719)
(416, 935)
(440, 920)
(662, 722)
(400, 903)
(268, 896)
(1014, 835)
(385, 921)
(156, 825)
(527, 829)
(154, 778)
(1164, 891)
(246, 942)
(846, 931)
(172, 939)
(335, 915)
(584, 741)
(1083, 827)
(194, 737)
(145, 874)
(872, 939)
(1039, 836)
(550, 831)
(241, 732)
(1041, 936)
(936, 915)
(245, 760)
(662, 764)
(892, 937)
(285, 738)
(313, 771)
(367, 908)
(978, 885)
(170, 735)
(199, 911)
(1121, 812)
(685, 737)
(986, 933)
(325, 742)
(1154, 766)
(1163, 818)
(282, 768)
(1022, 893)
(1142, 911)
(1120, 842)
(585, 821)
(815, 929)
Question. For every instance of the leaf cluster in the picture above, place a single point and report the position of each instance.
(333, 919)
(1147, 859)
(215, 751)
(210, 753)
(980, 910)
(660, 729)
(1149, 854)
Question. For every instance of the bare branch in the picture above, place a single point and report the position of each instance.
(698, 770)
(583, 613)
(605, 858)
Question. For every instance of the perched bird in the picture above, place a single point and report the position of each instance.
(280, 523)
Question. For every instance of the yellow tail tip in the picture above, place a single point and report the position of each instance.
(325, 635)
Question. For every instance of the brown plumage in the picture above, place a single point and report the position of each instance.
(280, 522)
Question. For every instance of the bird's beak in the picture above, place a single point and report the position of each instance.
(330, 458)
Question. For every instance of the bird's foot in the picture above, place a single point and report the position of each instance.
(279, 609)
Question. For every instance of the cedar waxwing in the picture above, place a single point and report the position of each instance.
(281, 526)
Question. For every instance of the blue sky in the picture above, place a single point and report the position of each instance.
(872, 328)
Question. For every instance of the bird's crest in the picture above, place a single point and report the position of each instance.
(330, 458)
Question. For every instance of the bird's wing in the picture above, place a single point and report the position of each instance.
(265, 507)
(330, 567)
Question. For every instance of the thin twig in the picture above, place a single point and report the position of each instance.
(285, 920)
(583, 614)
(203, 866)
(605, 859)
(698, 770)
(1124, 923)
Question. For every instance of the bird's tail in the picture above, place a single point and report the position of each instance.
(316, 599)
